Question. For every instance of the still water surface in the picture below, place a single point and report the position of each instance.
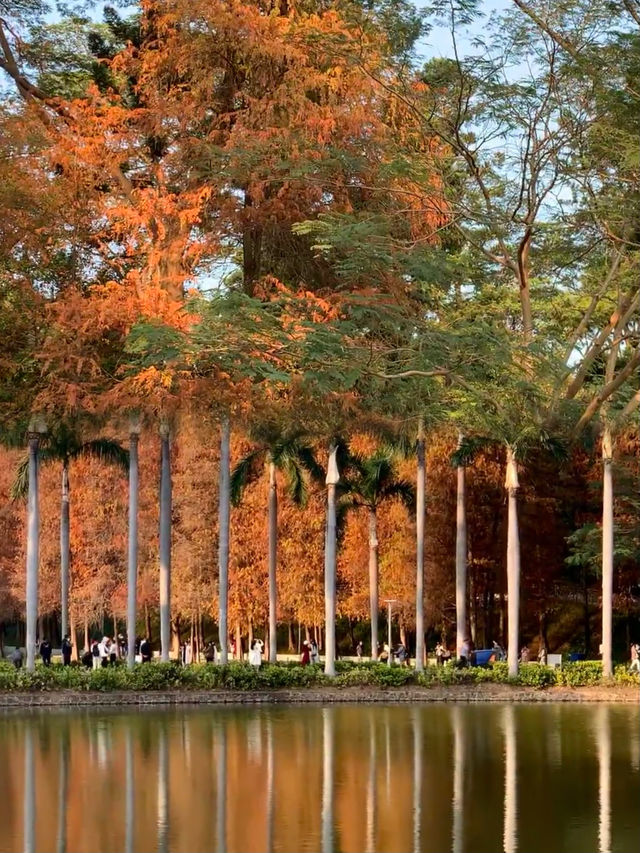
(475, 778)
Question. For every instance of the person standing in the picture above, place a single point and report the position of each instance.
(542, 655)
(314, 655)
(359, 650)
(305, 659)
(524, 655)
(145, 650)
(45, 652)
(635, 658)
(104, 651)
(17, 657)
(439, 654)
(95, 654)
(66, 650)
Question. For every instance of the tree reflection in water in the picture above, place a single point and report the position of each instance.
(368, 778)
(510, 835)
(603, 740)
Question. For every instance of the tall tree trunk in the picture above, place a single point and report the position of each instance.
(147, 621)
(292, 647)
(64, 549)
(461, 557)
(587, 615)
(224, 509)
(513, 563)
(132, 557)
(33, 544)
(373, 582)
(165, 543)
(238, 635)
(420, 523)
(607, 553)
(74, 637)
(273, 560)
(87, 643)
(330, 557)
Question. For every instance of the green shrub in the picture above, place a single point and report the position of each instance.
(536, 675)
(580, 673)
(241, 676)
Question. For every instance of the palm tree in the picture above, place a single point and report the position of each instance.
(63, 444)
(289, 454)
(368, 481)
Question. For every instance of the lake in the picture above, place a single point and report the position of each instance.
(443, 777)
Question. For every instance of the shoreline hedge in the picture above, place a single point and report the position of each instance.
(243, 676)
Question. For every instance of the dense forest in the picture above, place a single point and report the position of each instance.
(309, 305)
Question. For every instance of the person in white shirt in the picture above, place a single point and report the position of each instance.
(104, 650)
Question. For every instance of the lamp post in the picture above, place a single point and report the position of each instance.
(389, 602)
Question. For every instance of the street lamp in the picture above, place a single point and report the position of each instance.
(389, 602)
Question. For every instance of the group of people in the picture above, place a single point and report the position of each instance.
(310, 653)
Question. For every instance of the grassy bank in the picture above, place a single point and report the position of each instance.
(243, 677)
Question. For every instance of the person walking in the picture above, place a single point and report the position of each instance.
(359, 650)
(635, 658)
(542, 655)
(524, 654)
(66, 650)
(305, 658)
(45, 652)
(17, 657)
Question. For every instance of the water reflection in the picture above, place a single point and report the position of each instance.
(163, 790)
(221, 789)
(328, 746)
(352, 778)
(29, 794)
(603, 740)
(510, 833)
(459, 744)
(129, 783)
(63, 781)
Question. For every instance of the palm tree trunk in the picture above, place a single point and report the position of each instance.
(607, 553)
(273, 559)
(461, 558)
(373, 582)
(73, 632)
(420, 521)
(224, 504)
(33, 543)
(330, 556)
(132, 564)
(64, 549)
(165, 543)
(513, 564)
